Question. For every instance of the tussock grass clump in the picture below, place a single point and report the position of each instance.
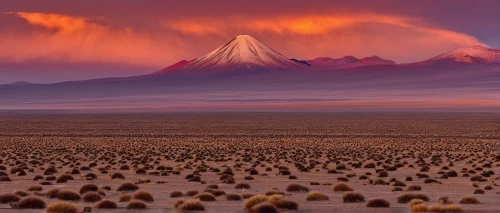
(415, 202)
(254, 200)
(35, 188)
(264, 208)
(215, 192)
(190, 205)
(233, 197)
(316, 196)
(274, 192)
(191, 193)
(176, 194)
(408, 197)
(62, 207)
(64, 178)
(352, 197)
(445, 200)
(127, 187)
(242, 186)
(144, 196)
(136, 204)
(378, 203)
(468, 200)
(205, 196)
(68, 195)
(9, 198)
(341, 187)
(452, 208)
(89, 188)
(283, 203)
(419, 208)
(296, 188)
(478, 191)
(22, 193)
(126, 197)
(31, 203)
(106, 204)
(117, 176)
(246, 195)
(91, 197)
(414, 188)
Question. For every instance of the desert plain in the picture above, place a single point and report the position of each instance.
(249, 162)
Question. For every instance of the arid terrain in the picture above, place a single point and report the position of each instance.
(243, 162)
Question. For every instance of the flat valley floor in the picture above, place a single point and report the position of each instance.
(237, 155)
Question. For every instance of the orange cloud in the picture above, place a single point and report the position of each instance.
(56, 21)
(77, 39)
(67, 38)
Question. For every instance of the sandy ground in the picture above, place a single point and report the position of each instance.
(416, 136)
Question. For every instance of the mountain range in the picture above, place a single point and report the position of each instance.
(245, 74)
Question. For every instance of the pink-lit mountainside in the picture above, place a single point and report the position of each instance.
(245, 74)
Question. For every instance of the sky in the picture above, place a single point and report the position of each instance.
(57, 40)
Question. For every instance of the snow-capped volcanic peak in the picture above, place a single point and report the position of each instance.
(473, 54)
(246, 52)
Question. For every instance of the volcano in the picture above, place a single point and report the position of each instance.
(470, 55)
(242, 53)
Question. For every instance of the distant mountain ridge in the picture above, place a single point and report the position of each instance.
(245, 53)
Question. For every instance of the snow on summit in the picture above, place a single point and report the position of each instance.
(473, 54)
(246, 52)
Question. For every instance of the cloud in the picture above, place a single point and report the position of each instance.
(58, 37)
(79, 39)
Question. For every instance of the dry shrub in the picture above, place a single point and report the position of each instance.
(68, 195)
(31, 203)
(144, 196)
(283, 203)
(215, 192)
(22, 193)
(176, 194)
(9, 198)
(190, 205)
(136, 204)
(264, 208)
(91, 197)
(296, 188)
(316, 196)
(478, 191)
(126, 197)
(274, 192)
(436, 208)
(408, 197)
(378, 203)
(352, 197)
(233, 197)
(469, 200)
(246, 195)
(414, 188)
(62, 207)
(191, 193)
(452, 208)
(127, 187)
(117, 176)
(106, 204)
(445, 200)
(415, 202)
(88, 188)
(205, 196)
(342, 187)
(35, 188)
(254, 200)
(52, 193)
(242, 186)
(419, 208)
